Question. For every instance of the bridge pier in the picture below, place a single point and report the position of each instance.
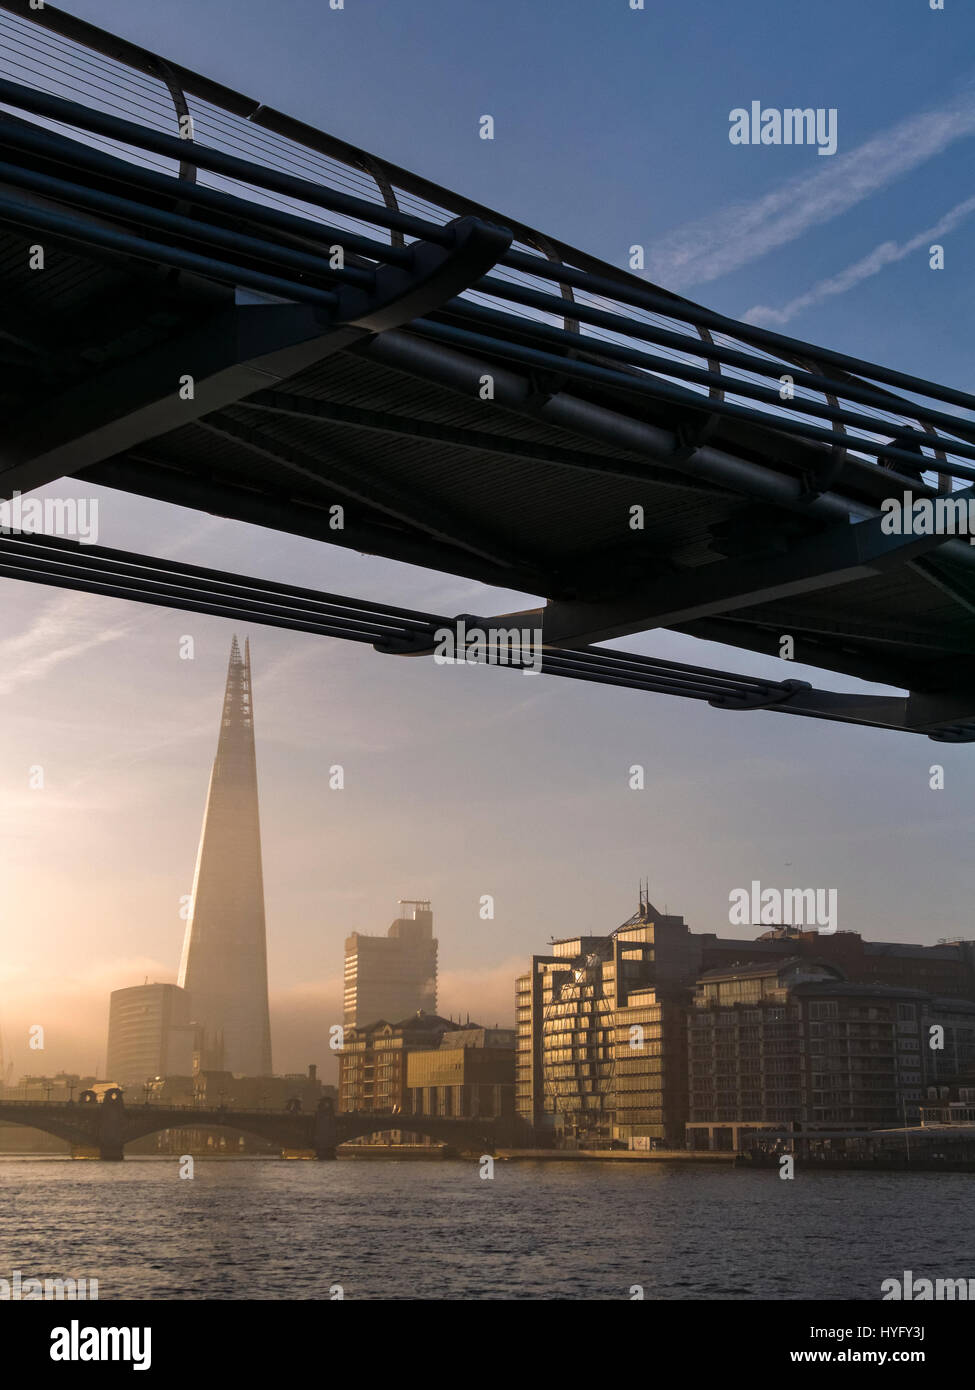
(111, 1127)
(326, 1135)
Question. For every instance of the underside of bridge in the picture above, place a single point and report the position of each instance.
(206, 302)
(104, 1129)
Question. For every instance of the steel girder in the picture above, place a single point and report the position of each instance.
(248, 298)
(407, 632)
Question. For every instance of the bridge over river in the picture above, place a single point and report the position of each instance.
(107, 1126)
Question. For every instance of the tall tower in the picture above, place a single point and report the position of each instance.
(224, 964)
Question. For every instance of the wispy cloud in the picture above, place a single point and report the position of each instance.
(734, 236)
(65, 628)
(887, 253)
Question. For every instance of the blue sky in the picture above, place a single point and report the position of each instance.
(612, 127)
(611, 130)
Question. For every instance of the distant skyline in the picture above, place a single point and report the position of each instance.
(612, 129)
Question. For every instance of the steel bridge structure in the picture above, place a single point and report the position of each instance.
(206, 302)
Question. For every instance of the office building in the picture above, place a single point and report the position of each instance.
(947, 968)
(604, 1055)
(372, 1063)
(471, 1073)
(150, 1033)
(601, 1053)
(948, 1035)
(794, 1046)
(395, 975)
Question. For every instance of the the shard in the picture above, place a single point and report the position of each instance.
(224, 964)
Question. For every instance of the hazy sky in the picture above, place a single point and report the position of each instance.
(611, 129)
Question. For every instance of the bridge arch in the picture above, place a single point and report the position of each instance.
(110, 1126)
(463, 1131)
(274, 1129)
(60, 1128)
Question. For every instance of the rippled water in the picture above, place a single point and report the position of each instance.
(395, 1229)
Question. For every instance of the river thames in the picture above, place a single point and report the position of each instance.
(387, 1229)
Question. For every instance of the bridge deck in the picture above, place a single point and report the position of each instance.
(476, 396)
(108, 1126)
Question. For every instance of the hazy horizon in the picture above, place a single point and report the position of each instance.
(464, 782)
(458, 782)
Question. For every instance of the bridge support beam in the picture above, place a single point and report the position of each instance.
(111, 1128)
(838, 556)
(227, 354)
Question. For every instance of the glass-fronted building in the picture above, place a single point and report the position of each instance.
(601, 1034)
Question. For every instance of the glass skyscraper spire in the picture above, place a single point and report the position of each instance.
(224, 964)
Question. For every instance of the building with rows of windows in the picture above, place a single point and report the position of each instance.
(655, 1035)
(601, 1054)
(798, 1048)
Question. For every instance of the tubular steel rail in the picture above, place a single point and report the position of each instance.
(123, 158)
(168, 584)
